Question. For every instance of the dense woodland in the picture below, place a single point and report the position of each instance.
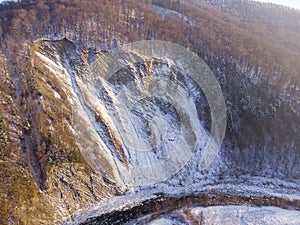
(252, 48)
(267, 36)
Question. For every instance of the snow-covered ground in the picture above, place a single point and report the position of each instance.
(226, 215)
(167, 12)
(112, 117)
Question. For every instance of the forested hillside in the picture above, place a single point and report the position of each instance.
(252, 48)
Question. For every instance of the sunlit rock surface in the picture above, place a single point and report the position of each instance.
(245, 166)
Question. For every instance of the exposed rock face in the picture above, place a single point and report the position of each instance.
(42, 172)
(252, 133)
(100, 116)
(253, 109)
(63, 110)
